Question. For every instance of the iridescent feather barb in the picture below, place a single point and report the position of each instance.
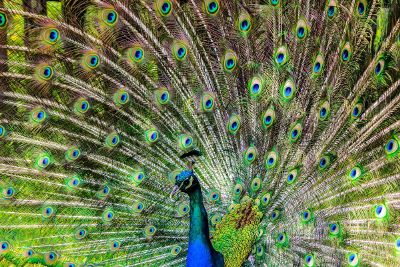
(293, 107)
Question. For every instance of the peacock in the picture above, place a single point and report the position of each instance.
(199, 133)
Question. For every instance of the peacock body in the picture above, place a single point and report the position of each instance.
(277, 121)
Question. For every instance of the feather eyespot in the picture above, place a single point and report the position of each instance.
(81, 106)
(8, 192)
(176, 250)
(346, 53)
(135, 54)
(43, 161)
(318, 66)
(164, 7)
(324, 111)
(90, 60)
(250, 155)
(295, 132)
(3, 131)
(72, 154)
(352, 259)
(185, 141)
(230, 61)
(256, 86)
(207, 102)
(110, 16)
(234, 124)
(51, 36)
(151, 136)
(281, 56)
(380, 211)
(3, 20)
(302, 29)
(271, 159)
(121, 97)
(331, 9)
(361, 7)
(244, 23)
(179, 50)
(162, 96)
(268, 118)
(212, 7)
(309, 260)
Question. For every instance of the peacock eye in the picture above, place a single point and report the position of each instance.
(162, 96)
(325, 161)
(331, 11)
(43, 161)
(3, 20)
(176, 250)
(8, 192)
(108, 215)
(4, 247)
(164, 7)
(357, 110)
(51, 257)
(355, 173)
(334, 230)
(361, 7)
(397, 245)
(135, 54)
(306, 216)
(110, 17)
(250, 155)
(80, 234)
(121, 97)
(234, 124)
(3, 131)
(81, 106)
(48, 212)
(346, 52)
(309, 260)
(392, 147)
(281, 56)
(112, 140)
(73, 182)
(265, 199)
(295, 132)
(379, 67)
(212, 7)
(380, 211)
(244, 22)
(29, 253)
(230, 61)
(318, 66)
(72, 154)
(53, 35)
(151, 136)
(207, 102)
(255, 87)
(324, 111)
(292, 176)
(179, 50)
(150, 231)
(274, 2)
(185, 141)
(90, 60)
(301, 29)
(352, 259)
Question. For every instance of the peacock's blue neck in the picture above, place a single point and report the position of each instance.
(200, 252)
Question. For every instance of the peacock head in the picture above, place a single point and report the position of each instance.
(185, 182)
